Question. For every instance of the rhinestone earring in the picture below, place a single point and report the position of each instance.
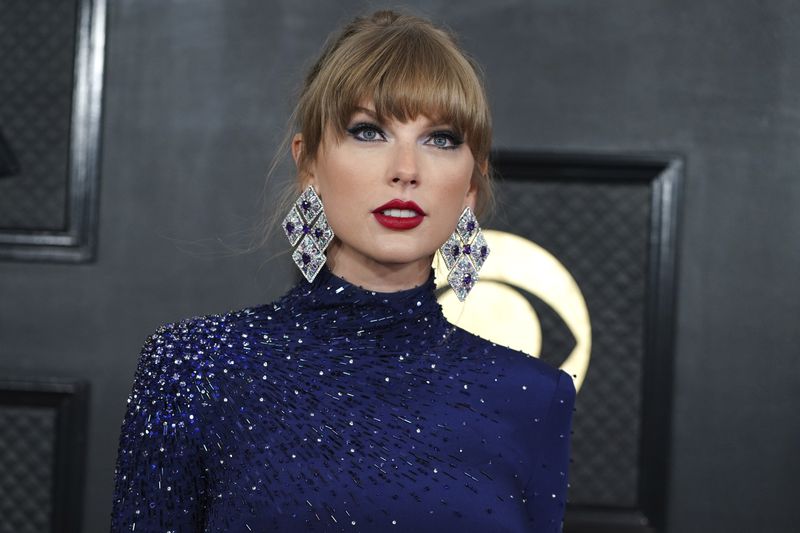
(464, 254)
(306, 223)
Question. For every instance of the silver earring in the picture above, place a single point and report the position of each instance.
(464, 254)
(306, 223)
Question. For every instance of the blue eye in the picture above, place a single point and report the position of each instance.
(365, 132)
(445, 140)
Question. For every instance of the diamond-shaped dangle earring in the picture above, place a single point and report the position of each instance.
(464, 254)
(306, 223)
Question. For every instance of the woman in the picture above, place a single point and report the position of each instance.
(351, 403)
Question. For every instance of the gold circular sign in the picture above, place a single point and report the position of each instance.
(496, 311)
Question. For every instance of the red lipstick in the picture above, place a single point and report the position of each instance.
(399, 222)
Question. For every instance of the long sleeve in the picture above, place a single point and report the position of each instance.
(546, 488)
(159, 473)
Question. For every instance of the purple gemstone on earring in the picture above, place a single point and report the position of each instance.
(322, 232)
(462, 277)
(308, 257)
(467, 225)
(306, 229)
(305, 204)
(467, 249)
(479, 250)
(291, 224)
(451, 250)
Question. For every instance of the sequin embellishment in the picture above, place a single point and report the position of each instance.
(340, 409)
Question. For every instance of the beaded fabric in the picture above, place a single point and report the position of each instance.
(336, 408)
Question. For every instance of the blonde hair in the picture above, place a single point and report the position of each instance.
(407, 67)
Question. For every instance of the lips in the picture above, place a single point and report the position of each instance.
(399, 214)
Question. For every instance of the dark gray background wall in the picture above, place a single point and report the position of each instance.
(196, 97)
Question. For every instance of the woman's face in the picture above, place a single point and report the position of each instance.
(376, 163)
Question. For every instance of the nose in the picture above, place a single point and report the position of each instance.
(405, 170)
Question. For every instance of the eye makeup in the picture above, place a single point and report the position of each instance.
(369, 132)
(356, 131)
(448, 136)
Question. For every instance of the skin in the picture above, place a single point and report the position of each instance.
(365, 169)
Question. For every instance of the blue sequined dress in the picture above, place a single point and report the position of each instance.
(340, 409)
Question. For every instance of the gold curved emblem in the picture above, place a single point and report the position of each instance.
(497, 311)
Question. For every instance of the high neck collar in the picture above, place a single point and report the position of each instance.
(339, 306)
(326, 280)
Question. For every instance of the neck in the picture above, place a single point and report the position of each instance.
(375, 276)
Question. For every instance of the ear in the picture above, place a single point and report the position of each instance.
(298, 147)
(471, 198)
(472, 194)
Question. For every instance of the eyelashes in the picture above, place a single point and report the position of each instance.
(367, 132)
(449, 137)
(364, 131)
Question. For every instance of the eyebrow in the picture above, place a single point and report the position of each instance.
(369, 112)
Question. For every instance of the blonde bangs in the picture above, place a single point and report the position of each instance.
(406, 67)
(410, 76)
(406, 71)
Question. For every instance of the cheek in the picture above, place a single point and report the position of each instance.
(340, 182)
(455, 185)
(335, 175)
(449, 199)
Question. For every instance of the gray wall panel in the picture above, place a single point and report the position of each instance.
(196, 97)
